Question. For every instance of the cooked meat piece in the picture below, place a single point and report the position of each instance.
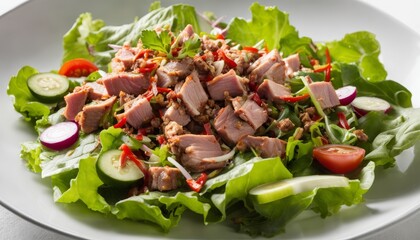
(193, 95)
(124, 98)
(237, 102)
(292, 64)
(171, 72)
(285, 125)
(265, 146)
(272, 91)
(228, 82)
(260, 67)
(173, 129)
(177, 114)
(325, 94)
(138, 112)
(277, 72)
(130, 83)
(361, 135)
(186, 34)
(125, 55)
(90, 117)
(164, 178)
(192, 149)
(97, 91)
(230, 127)
(75, 102)
(252, 113)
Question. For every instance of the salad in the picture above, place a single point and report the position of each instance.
(236, 122)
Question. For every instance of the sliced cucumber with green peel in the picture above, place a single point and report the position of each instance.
(270, 192)
(48, 87)
(111, 173)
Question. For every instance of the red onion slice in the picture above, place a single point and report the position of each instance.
(60, 136)
(346, 94)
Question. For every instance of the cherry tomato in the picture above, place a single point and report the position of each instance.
(338, 158)
(78, 67)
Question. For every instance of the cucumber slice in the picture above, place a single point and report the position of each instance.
(270, 192)
(111, 173)
(48, 87)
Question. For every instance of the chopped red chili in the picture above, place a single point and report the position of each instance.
(228, 61)
(220, 37)
(250, 49)
(207, 129)
(343, 120)
(148, 68)
(197, 184)
(128, 154)
(121, 123)
(293, 99)
(161, 139)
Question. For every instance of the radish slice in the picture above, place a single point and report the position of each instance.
(270, 192)
(346, 94)
(363, 105)
(60, 136)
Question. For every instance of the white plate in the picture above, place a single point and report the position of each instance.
(32, 34)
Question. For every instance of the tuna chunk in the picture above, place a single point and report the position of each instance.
(272, 91)
(177, 114)
(292, 64)
(126, 82)
(265, 146)
(193, 148)
(277, 72)
(164, 178)
(230, 127)
(170, 73)
(325, 94)
(126, 56)
(193, 95)
(173, 129)
(260, 67)
(138, 112)
(97, 91)
(75, 102)
(187, 33)
(90, 117)
(228, 83)
(252, 113)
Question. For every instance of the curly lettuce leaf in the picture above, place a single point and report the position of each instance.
(362, 49)
(389, 90)
(30, 152)
(23, 100)
(90, 38)
(271, 25)
(271, 218)
(240, 179)
(84, 187)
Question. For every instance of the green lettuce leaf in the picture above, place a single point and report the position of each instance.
(271, 218)
(360, 48)
(84, 187)
(23, 100)
(391, 91)
(54, 162)
(30, 152)
(398, 134)
(239, 180)
(91, 38)
(271, 25)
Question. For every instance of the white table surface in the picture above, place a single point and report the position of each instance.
(406, 11)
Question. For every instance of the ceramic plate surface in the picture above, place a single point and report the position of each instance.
(32, 35)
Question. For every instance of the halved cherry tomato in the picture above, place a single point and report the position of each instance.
(338, 158)
(78, 67)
